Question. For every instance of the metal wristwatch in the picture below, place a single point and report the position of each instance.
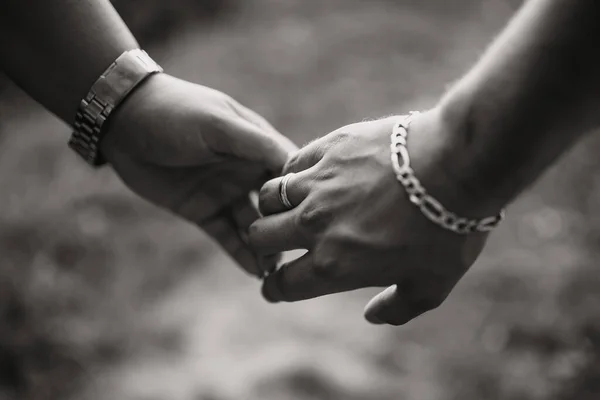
(113, 86)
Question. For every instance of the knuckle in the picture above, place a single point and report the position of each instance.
(291, 164)
(224, 97)
(329, 261)
(313, 217)
(341, 135)
(326, 268)
(328, 172)
(306, 217)
(216, 121)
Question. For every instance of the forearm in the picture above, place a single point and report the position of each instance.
(56, 49)
(535, 92)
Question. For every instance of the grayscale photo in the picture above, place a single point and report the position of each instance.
(299, 200)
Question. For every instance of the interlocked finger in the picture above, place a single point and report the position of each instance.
(225, 231)
(277, 233)
(302, 279)
(307, 157)
(283, 193)
(244, 213)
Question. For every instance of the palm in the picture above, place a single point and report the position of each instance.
(198, 153)
(214, 196)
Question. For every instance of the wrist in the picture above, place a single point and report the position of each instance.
(130, 117)
(107, 93)
(443, 160)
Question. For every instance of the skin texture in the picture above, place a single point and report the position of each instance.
(533, 94)
(359, 227)
(182, 146)
(197, 152)
(56, 49)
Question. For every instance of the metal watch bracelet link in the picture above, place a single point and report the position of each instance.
(113, 86)
(429, 206)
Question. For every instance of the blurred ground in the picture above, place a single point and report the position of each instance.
(103, 296)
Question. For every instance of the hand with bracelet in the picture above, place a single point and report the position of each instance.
(185, 147)
(408, 204)
(358, 223)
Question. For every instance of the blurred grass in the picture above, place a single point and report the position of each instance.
(105, 297)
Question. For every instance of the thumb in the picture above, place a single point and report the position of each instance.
(386, 308)
(397, 307)
(390, 307)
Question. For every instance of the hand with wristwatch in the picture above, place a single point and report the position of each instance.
(185, 147)
(404, 202)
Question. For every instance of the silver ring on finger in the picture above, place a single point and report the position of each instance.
(283, 195)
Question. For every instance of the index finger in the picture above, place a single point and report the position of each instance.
(300, 279)
(244, 214)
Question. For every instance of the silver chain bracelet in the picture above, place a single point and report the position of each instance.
(417, 194)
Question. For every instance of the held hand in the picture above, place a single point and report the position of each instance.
(358, 226)
(198, 153)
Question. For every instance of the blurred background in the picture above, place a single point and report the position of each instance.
(103, 296)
